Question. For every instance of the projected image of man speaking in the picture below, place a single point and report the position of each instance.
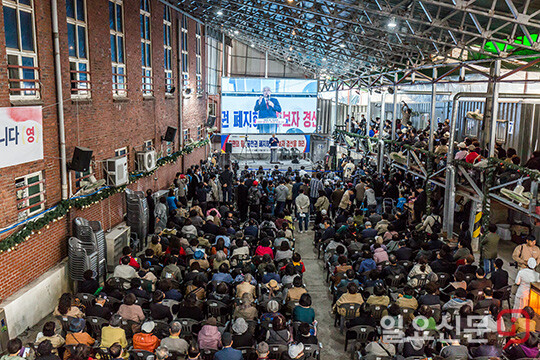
(268, 107)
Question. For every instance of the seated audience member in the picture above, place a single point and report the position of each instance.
(228, 352)
(209, 336)
(113, 333)
(146, 340)
(66, 308)
(173, 342)
(49, 334)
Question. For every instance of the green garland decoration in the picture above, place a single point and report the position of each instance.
(11, 242)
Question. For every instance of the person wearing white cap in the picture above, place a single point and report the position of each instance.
(296, 351)
(462, 153)
(524, 278)
(145, 340)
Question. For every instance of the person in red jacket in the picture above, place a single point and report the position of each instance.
(126, 251)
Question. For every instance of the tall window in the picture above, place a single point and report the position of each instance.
(116, 28)
(146, 49)
(167, 48)
(198, 58)
(30, 191)
(213, 40)
(185, 58)
(21, 49)
(77, 47)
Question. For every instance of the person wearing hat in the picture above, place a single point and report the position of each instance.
(209, 336)
(254, 198)
(77, 335)
(241, 336)
(524, 278)
(145, 340)
(296, 351)
(524, 252)
(462, 151)
(199, 256)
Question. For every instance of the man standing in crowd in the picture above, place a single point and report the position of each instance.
(226, 180)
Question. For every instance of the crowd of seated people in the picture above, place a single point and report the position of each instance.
(400, 290)
(229, 289)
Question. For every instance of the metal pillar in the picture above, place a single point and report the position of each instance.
(381, 143)
(394, 119)
(432, 122)
(495, 108)
(349, 125)
(368, 115)
(223, 46)
(266, 64)
(336, 110)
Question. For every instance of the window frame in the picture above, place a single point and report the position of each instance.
(184, 39)
(167, 48)
(20, 53)
(123, 151)
(198, 58)
(24, 213)
(147, 80)
(148, 145)
(117, 89)
(79, 92)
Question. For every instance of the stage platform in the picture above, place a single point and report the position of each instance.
(283, 166)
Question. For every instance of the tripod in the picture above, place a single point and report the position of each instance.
(247, 147)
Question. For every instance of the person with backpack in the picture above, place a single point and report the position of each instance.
(254, 198)
(432, 224)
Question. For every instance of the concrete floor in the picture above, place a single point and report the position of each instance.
(314, 278)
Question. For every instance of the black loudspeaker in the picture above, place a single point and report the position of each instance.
(211, 121)
(228, 148)
(169, 135)
(333, 150)
(81, 159)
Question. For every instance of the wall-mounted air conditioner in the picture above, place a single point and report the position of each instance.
(146, 161)
(116, 171)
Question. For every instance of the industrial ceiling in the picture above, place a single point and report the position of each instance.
(353, 39)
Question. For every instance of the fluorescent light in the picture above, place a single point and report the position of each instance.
(219, 13)
(342, 45)
(392, 23)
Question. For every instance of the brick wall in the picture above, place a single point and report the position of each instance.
(100, 123)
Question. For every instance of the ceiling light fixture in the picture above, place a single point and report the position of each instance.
(236, 32)
(323, 59)
(252, 45)
(219, 13)
(392, 24)
(342, 45)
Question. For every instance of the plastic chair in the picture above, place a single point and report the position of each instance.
(351, 311)
(86, 299)
(95, 324)
(359, 334)
(187, 327)
(142, 355)
(312, 351)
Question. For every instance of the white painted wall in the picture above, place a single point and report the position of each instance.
(35, 301)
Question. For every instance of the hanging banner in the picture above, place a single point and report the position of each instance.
(21, 135)
(259, 143)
